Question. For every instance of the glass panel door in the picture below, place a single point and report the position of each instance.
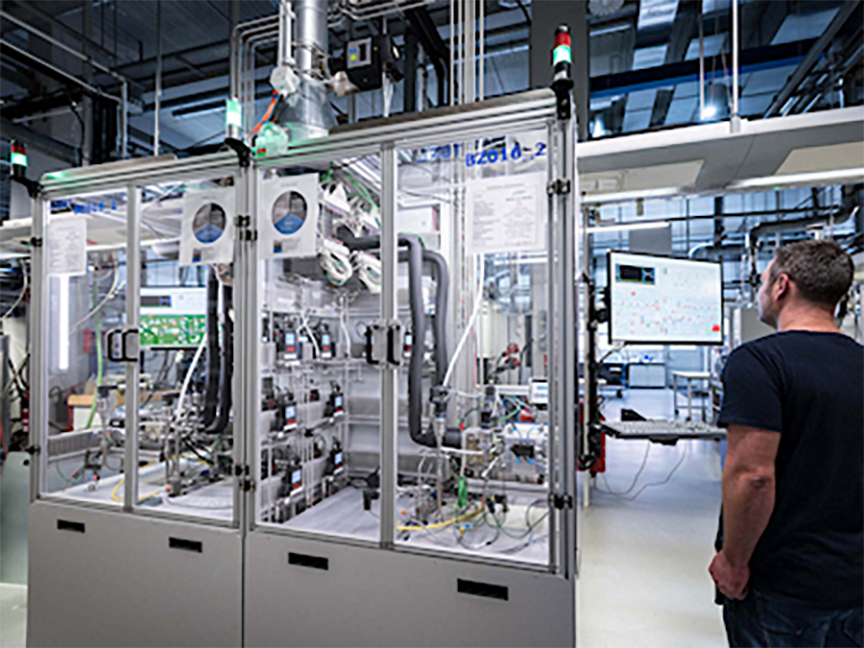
(85, 252)
(319, 284)
(473, 442)
(187, 438)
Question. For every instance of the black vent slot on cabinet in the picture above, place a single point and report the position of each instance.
(186, 545)
(487, 590)
(303, 560)
(68, 525)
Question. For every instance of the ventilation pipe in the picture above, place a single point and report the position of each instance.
(306, 114)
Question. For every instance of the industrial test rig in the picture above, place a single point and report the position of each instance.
(350, 421)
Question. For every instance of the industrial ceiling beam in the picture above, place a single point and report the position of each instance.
(29, 9)
(667, 75)
(683, 29)
(843, 14)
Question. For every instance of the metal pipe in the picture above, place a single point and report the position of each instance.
(124, 120)
(452, 74)
(54, 68)
(249, 95)
(701, 65)
(83, 57)
(311, 33)
(236, 35)
(482, 61)
(124, 90)
(285, 32)
(470, 48)
(158, 97)
(735, 47)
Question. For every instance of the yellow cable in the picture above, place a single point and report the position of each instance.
(440, 525)
(120, 483)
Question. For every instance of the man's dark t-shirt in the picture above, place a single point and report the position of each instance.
(808, 387)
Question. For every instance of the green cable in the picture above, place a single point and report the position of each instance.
(527, 532)
(462, 494)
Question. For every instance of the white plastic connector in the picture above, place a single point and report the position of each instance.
(284, 80)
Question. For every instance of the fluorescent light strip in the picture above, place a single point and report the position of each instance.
(624, 196)
(628, 227)
(63, 322)
(815, 177)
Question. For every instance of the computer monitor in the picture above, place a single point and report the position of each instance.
(663, 300)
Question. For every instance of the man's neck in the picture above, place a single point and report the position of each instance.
(806, 318)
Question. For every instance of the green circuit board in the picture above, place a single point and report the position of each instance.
(172, 330)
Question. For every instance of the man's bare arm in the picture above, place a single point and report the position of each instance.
(748, 490)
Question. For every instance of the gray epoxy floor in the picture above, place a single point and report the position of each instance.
(644, 578)
(13, 615)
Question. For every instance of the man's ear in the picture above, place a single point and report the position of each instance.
(782, 286)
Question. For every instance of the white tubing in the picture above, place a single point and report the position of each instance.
(188, 377)
(478, 302)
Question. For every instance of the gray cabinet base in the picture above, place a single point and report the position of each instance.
(98, 578)
(306, 593)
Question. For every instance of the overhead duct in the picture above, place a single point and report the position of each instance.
(305, 113)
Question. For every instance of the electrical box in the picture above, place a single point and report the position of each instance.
(368, 59)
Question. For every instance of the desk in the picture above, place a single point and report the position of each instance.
(690, 376)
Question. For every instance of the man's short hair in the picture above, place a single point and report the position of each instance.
(821, 270)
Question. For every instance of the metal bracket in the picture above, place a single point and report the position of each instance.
(247, 485)
(244, 153)
(560, 187)
(33, 450)
(560, 502)
(249, 235)
(36, 241)
(242, 221)
(240, 470)
(34, 187)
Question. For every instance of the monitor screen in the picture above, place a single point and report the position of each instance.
(661, 300)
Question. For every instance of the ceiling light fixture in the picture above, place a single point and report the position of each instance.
(625, 196)
(812, 178)
(709, 112)
(628, 227)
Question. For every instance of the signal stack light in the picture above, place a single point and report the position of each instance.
(562, 82)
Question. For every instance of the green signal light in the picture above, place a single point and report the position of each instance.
(18, 159)
(561, 54)
(353, 57)
(233, 113)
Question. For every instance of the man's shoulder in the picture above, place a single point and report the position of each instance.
(760, 346)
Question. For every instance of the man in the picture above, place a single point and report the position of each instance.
(790, 547)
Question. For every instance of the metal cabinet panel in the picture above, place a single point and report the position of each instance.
(343, 595)
(102, 579)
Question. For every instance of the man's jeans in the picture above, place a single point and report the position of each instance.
(774, 621)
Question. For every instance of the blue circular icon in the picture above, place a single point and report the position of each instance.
(289, 212)
(209, 223)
